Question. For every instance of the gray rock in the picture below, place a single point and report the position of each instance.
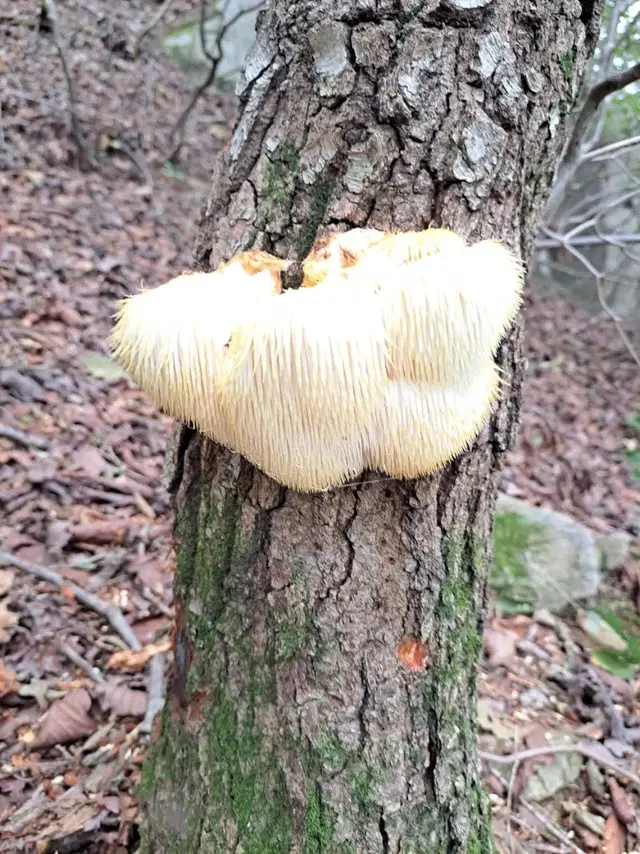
(613, 549)
(553, 557)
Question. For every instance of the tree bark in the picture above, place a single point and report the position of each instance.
(326, 646)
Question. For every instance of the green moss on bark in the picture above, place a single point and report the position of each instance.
(173, 757)
(320, 823)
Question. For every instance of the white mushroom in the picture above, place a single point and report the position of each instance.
(446, 313)
(421, 426)
(303, 374)
(170, 339)
(384, 360)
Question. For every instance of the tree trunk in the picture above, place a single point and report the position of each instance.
(326, 646)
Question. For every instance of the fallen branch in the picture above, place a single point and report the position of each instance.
(549, 826)
(137, 160)
(22, 438)
(83, 151)
(75, 657)
(214, 59)
(155, 696)
(111, 613)
(581, 748)
(155, 20)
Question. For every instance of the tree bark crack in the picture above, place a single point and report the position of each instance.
(383, 832)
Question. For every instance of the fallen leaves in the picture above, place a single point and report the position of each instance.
(8, 684)
(7, 619)
(132, 661)
(121, 700)
(499, 646)
(614, 836)
(102, 367)
(620, 802)
(7, 577)
(67, 719)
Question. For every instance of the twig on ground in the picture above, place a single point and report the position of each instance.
(616, 725)
(150, 596)
(179, 127)
(83, 151)
(583, 749)
(155, 696)
(23, 438)
(551, 828)
(75, 657)
(515, 846)
(510, 790)
(112, 614)
(154, 21)
(138, 161)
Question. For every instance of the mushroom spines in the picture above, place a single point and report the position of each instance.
(171, 338)
(307, 369)
(422, 426)
(447, 311)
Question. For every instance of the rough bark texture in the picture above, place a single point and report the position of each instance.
(295, 724)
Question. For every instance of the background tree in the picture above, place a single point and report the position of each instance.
(587, 246)
(326, 646)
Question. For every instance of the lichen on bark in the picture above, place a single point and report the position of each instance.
(294, 725)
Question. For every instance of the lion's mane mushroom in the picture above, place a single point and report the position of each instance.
(302, 375)
(448, 312)
(368, 247)
(171, 339)
(384, 360)
(422, 426)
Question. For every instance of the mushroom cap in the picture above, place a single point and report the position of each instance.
(170, 339)
(337, 251)
(369, 247)
(302, 374)
(421, 426)
(446, 313)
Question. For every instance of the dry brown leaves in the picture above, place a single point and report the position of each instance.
(614, 837)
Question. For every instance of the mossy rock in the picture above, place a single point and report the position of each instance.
(542, 559)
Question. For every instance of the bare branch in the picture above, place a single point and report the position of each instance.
(625, 38)
(595, 96)
(557, 241)
(178, 130)
(614, 148)
(202, 28)
(83, 151)
(22, 438)
(75, 657)
(598, 276)
(155, 20)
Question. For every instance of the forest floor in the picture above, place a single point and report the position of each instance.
(81, 458)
